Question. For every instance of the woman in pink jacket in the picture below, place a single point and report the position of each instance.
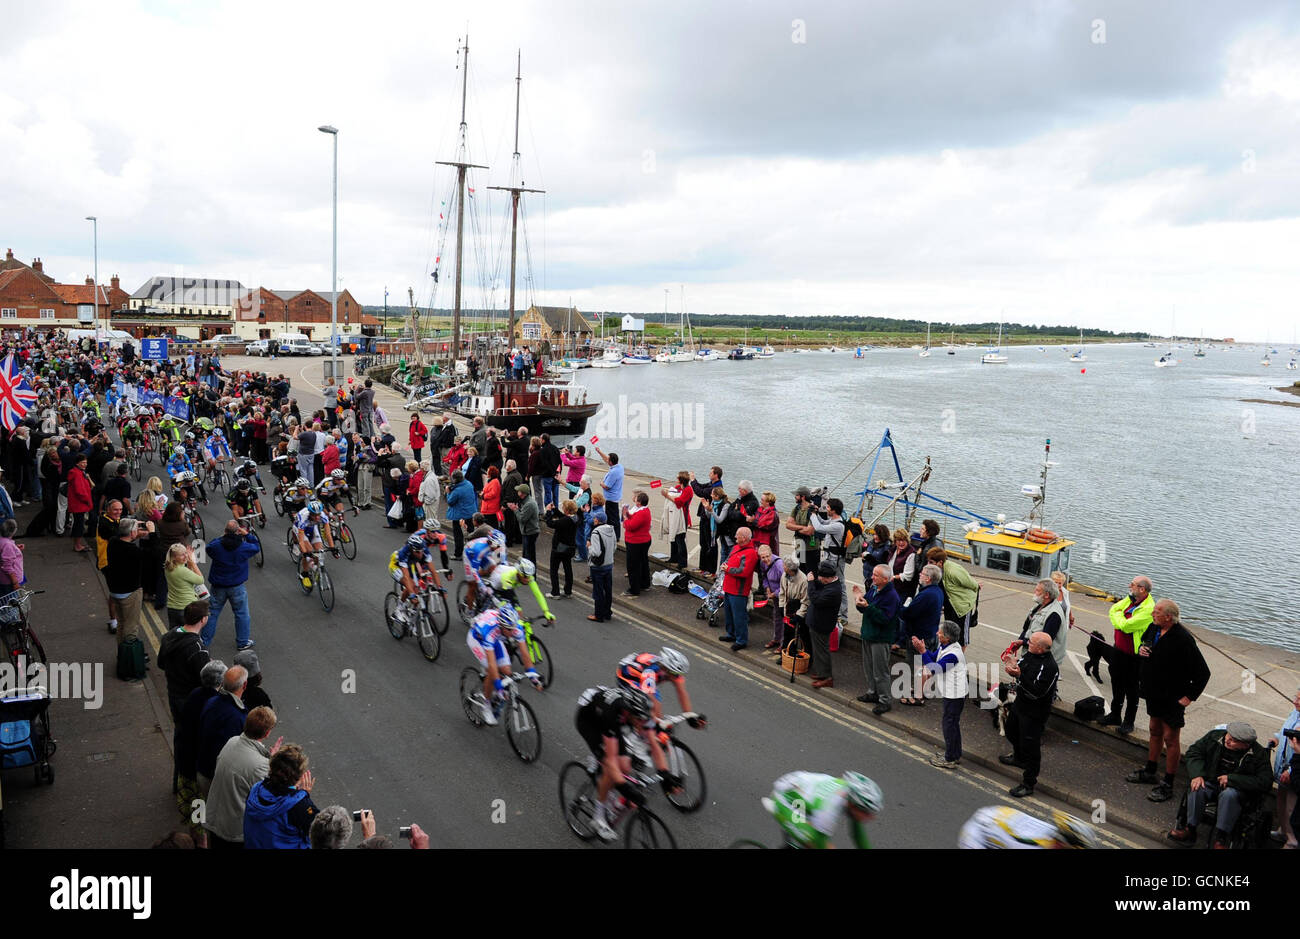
(576, 461)
(79, 500)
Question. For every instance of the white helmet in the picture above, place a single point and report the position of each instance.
(674, 661)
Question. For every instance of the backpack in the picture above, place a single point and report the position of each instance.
(853, 541)
(680, 584)
(130, 659)
(1091, 708)
(601, 537)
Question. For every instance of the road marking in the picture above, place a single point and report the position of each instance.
(154, 628)
(1074, 657)
(902, 745)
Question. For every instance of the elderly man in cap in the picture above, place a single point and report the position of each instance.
(1227, 765)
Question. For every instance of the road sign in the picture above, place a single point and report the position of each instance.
(154, 349)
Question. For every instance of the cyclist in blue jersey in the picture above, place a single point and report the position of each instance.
(486, 639)
(180, 463)
(482, 555)
(310, 528)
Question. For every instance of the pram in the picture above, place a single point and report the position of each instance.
(712, 601)
(25, 733)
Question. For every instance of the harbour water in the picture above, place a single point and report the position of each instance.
(1160, 471)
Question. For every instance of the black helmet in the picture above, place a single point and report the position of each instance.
(243, 485)
(636, 703)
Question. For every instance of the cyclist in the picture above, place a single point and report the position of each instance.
(333, 488)
(180, 463)
(215, 449)
(89, 407)
(248, 470)
(435, 537)
(297, 495)
(604, 714)
(808, 806)
(408, 565)
(505, 578)
(309, 526)
(646, 670)
(170, 429)
(487, 640)
(183, 485)
(242, 499)
(482, 555)
(1000, 826)
(284, 465)
(132, 436)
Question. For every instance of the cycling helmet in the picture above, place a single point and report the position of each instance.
(189, 435)
(132, 423)
(187, 477)
(218, 432)
(674, 661)
(338, 474)
(415, 543)
(315, 508)
(243, 485)
(179, 451)
(527, 568)
(497, 538)
(431, 525)
(635, 703)
(250, 465)
(301, 481)
(1074, 832)
(507, 618)
(862, 792)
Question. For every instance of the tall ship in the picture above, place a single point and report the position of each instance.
(560, 409)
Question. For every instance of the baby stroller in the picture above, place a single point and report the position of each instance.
(25, 733)
(712, 602)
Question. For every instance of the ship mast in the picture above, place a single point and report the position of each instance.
(516, 172)
(461, 168)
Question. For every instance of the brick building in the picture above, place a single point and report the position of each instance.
(31, 297)
(264, 312)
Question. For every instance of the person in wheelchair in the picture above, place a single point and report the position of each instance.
(1229, 767)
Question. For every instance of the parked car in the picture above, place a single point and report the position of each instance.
(258, 347)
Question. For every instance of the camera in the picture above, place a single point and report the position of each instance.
(356, 814)
(404, 831)
(1292, 735)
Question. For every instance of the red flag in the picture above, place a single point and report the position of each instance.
(655, 483)
(594, 439)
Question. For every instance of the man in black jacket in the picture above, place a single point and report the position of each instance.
(1036, 675)
(1173, 676)
(703, 506)
(182, 656)
(825, 589)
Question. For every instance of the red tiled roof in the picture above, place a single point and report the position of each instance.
(7, 276)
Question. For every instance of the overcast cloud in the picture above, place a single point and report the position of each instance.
(944, 159)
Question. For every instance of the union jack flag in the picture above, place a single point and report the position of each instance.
(16, 396)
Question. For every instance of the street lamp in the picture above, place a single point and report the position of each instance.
(94, 220)
(334, 267)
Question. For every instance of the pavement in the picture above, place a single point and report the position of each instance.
(385, 730)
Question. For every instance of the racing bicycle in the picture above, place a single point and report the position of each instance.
(416, 617)
(522, 729)
(578, 792)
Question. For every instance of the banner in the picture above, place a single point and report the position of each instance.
(150, 397)
(132, 394)
(177, 408)
(154, 349)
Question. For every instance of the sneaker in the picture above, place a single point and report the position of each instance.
(1126, 728)
(489, 717)
(1141, 776)
(869, 698)
(1009, 759)
(602, 829)
(112, 628)
(881, 709)
(306, 581)
(1021, 791)
(1110, 720)
(1161, 793)
(554, 596)
(943, 763)
(247, 645)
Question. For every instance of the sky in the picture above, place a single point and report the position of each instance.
(1113, 163)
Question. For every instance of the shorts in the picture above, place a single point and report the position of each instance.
(589, 729)
(481, 651)
(1171, 713)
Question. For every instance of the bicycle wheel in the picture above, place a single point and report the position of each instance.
(291, 542)
(260, 560)
(430, 644)
(261, 518)
(137, 471)
(148, 446)
(683, 762)
(522, 730)
(223, 480)
(196, 525)
(645, 829)
(471, 695)
(541, 660)
(578, 799)
(326, 589)
(347, 542)
(35, 651)
(279, 503)
(466, 614)
(745, 843)
(395, 626)
(439, 615)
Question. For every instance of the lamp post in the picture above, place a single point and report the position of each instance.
(94, 221)
(334, 267)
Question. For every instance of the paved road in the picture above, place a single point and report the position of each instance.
(400, 744)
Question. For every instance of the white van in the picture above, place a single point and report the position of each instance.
(297, 344)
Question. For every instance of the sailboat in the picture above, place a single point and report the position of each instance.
(1079, 356)
(952, 343)
(1200, 347)
(995, 355)
(562, 410)
(1167, 360)
(925, 353)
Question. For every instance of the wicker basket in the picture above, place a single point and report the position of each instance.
(796, 660)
